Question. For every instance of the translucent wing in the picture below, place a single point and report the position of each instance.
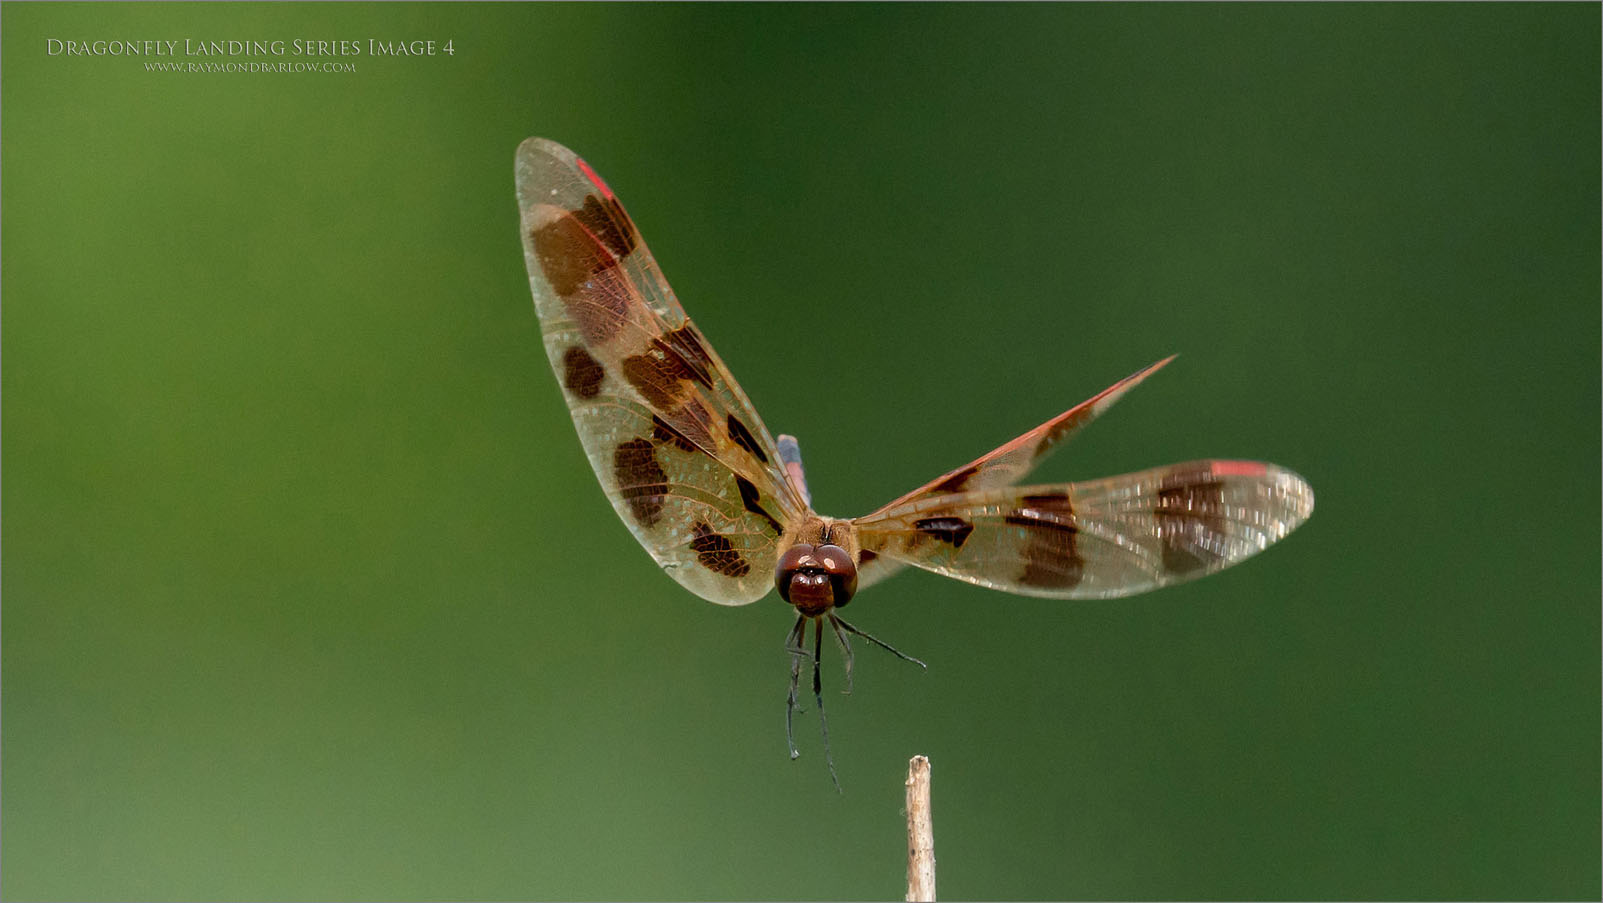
(1010, 462)
(1102, 538)
(677, 446)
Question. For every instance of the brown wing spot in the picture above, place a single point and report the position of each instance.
(1054, 500)
(686, 340)
(572, 258)
(715, 553)
(662, 432)
(655, 378)
(607, 221)
(582, 374)
(750, 498)
(1051, 560)
(865, 556)
(1033, 521)
(1190, 505)
(1057, 430)
(956, 481)
(951, 530)
(662, 372)
(641, 480)
(1052, 565)
(744, 439)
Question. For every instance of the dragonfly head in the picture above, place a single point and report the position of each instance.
(815, 578)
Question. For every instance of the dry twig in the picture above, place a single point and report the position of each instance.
(920, 833)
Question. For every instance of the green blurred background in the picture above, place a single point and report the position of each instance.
(310, 593)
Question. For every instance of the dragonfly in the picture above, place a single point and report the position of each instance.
(723, 506)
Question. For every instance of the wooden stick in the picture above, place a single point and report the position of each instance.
(920, 833)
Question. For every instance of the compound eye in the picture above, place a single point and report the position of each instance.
(837, 563)
(790, 564)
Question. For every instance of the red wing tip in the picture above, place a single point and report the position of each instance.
(1114, 392)
(1150, 369)
(1136, 377)
(1239, 468)
(537, 146)
(594, 179)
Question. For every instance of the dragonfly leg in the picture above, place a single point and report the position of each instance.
(878, 642)
(798, 653)
(845, 650)
(818, 694)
